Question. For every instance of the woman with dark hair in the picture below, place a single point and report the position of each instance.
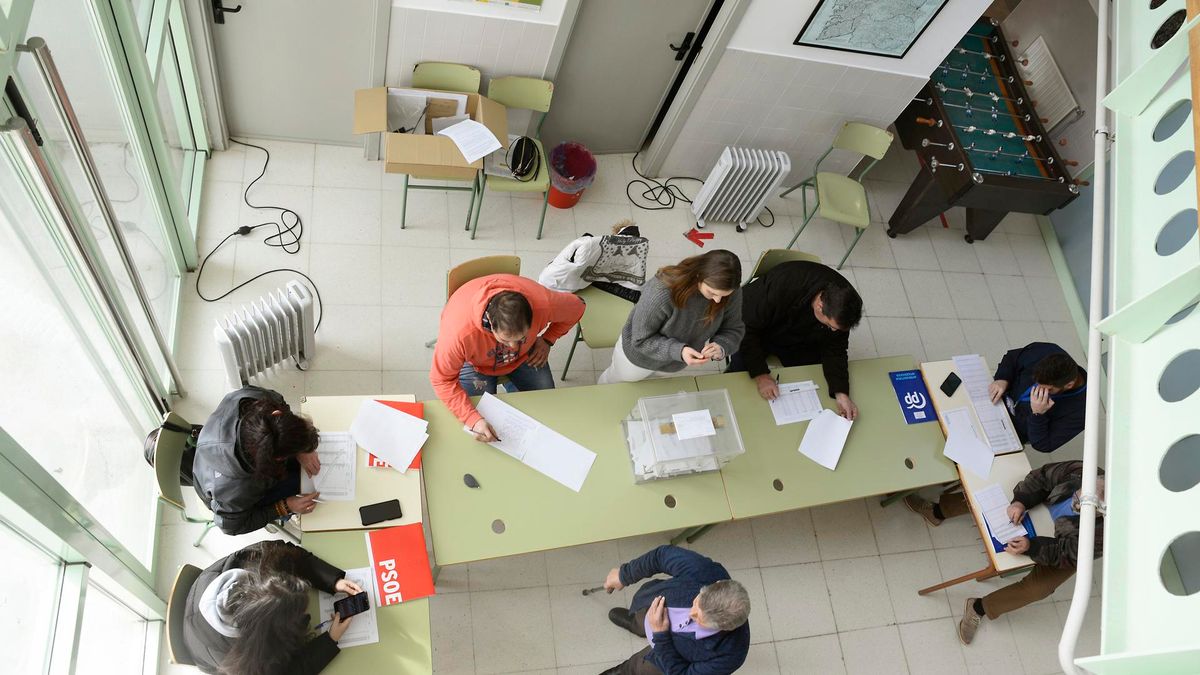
(248, 460)
(247, 614)
(689, 314)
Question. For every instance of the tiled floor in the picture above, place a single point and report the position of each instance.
(833, 588)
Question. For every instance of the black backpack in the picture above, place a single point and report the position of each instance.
(189, 448)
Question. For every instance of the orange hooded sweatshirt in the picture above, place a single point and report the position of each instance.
(463, 339)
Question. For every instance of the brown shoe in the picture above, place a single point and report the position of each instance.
(969, 623)
(922, 508)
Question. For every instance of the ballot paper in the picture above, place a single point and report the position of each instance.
(391, 435)
(693, 424)
(514, 429)
(797, 402)
(364, 627)
(824, 438)
(473, 139)
(336, 479)
(963, 445)
(993, 503)
(535, 445)
(998, 430)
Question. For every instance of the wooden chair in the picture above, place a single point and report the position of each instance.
(176, 607)
(475, 268)
(603, 318)
(168, 455)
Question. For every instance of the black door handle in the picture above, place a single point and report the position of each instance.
(219, 11)
(681, 50)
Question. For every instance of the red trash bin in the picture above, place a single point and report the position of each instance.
(572, 170)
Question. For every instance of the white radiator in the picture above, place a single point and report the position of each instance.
(1054, 98)
(739, 186)
(267, 333)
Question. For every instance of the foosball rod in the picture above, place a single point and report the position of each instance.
(964, 50)
(934, 163)
(990, 38)
(998, 151)
(993, 112)
(983, 75)
(971, 92)
(1048, 179)
(971, 129)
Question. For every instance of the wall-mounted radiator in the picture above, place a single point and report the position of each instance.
(739, 186)
(267, 333)
(1054, 98)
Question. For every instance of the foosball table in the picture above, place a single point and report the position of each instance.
(981, 143)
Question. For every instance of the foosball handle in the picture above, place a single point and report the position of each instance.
(1033, 102)
(1028, 83)
(1081, 182)
(1025, 62)
(926, 121)
(1062, 141)
(1015, 43)
(1044, 120)
(1070, 162)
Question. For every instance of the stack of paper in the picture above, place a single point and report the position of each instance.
(825, 438)
(536, 445)
(993, 503)
(391, 435)
(797, 402)
(364, 627)
(473, 139)
(335, 481)
(993, 417)
(963, 445)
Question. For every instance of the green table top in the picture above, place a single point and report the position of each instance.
(539, 513)
(404, 640)
(873, 461)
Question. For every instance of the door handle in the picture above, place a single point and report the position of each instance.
(681, 50)
(220, 10)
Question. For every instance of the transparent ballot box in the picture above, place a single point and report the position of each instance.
(682, 433)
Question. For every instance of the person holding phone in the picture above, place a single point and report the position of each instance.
(688, 314)
(1044, 390)
(1056, 485)
(247, 613)
(248, 461)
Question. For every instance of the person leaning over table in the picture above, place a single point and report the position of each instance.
(493, 326)
(1044, 390)
(689, 314)
(248, 612)
(1056, 485)
(696, 622)
(248, 460)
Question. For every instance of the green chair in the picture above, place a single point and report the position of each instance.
(168, 455)
(603, 318)
(475, 268)
(530, 94)
(840, 198)
(446, 77)
(773, 256)
(176, 609)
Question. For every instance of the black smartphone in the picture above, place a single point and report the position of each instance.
(950, 384)
(354, 604)
(377, 513)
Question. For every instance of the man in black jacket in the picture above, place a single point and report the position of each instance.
(802, 312)
(1044, 390)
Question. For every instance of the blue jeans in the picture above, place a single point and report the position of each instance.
(524, 378)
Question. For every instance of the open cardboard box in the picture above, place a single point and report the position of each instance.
(422, 155)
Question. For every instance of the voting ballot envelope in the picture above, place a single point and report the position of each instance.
(678, 434)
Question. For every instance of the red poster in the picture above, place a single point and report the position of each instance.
(416, 410)
(400, 563)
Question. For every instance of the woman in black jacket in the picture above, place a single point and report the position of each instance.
(247, 613)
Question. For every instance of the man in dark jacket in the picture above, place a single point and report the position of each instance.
(802, 312)
(1044, 390)
(1055, 485)
(696, 622)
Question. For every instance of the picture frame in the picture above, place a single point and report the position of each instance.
(868, 26)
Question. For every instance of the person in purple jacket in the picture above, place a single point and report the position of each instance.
(695, 623)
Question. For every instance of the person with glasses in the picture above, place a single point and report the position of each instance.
(801, 312)
(1055, 554)
(500, 325)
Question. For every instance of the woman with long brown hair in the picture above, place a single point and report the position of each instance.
(689, 314)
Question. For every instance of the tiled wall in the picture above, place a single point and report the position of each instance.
(783, 103)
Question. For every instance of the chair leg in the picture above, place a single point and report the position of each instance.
(803, 225)
(431, 343)
(478, 205)
(471, 204)
(571, 354)
(852, 245)
(207, 526)
(542, 222)
(790, 190)
(403, 200)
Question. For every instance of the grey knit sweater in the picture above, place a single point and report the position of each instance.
(657, 330)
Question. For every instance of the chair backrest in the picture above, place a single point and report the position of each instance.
(480, 267)
(168, 454)
(176, 607)
(446, 76)
(863, 139)
(773, 256)
(528, 93)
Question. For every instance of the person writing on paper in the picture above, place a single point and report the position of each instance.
(1044, 390)
(689, 314)
(247, 613)
(493, 326)
(248, 461)
(695, 622)
(1055, 557)
(802, 312)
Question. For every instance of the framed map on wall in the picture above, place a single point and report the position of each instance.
(877, 27)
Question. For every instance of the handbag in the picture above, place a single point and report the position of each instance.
(523, 159)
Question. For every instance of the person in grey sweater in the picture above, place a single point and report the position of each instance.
(689, 314)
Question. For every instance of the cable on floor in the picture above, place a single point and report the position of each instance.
(662, 195)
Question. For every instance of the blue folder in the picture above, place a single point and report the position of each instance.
(998, 546)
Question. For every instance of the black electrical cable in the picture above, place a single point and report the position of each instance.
(662, 195)
(289, 228)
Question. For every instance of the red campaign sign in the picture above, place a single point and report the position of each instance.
(400, 564)
(416, 410)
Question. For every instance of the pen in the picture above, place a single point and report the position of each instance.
(776, 378)
(322, 625)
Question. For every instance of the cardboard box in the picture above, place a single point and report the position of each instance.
(422, 155)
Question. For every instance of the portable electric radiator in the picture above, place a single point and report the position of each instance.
(1054, 98)
(739, 186)
(267, 333)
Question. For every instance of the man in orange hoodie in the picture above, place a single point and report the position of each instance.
(500, 324)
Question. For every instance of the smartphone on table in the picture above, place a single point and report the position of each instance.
(377, 513)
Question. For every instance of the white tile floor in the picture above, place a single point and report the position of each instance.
(833, 588)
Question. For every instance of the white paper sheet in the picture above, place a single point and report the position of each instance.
(513, 428)
(825, 438)
(406, 111)
(391, 435)
(473, 139)
(963, 446)
(693, 424)
(535, 445)
(440, 123)
(993, 503)
(797, 402)
(363, 628)
(336, 479)
(998, 431)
